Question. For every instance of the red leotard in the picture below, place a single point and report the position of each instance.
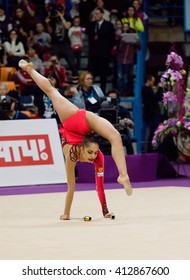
(73, 130)
(75, 127)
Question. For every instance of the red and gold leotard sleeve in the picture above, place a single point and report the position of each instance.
(99, 174)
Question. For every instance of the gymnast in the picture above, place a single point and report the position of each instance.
(79, 144)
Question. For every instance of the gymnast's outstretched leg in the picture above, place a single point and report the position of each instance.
(64, 107)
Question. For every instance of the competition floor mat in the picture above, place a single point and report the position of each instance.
(151, 224)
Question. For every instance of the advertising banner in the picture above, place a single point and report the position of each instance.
(30, 153)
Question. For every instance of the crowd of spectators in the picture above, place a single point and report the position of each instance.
(51, 35)
(60, 27)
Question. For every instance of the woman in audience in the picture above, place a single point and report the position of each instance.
(14, 49)
(132, 18)
(87, 95)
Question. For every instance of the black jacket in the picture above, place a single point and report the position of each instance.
(101, 42)
(150, 100)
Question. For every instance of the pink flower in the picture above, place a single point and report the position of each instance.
(187, 126)
(169, 97)
(175, 61)
(173, 98)
(173, 131)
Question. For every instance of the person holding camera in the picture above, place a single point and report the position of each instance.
(125, 121)
(58, 24)
(8, 109)
(54, 68)
(87, 95)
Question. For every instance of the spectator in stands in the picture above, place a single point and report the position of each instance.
(125, 57)
(23, 78)
(14, 49)
(5, 22)
(25, 82)
(56, 70)
(132, 18)
(125, 120)
(118, 31)
(151, 108)
(138, 6)
(43, 102)
(2, 52)
(87, 95)
(100, 4)
(5, 27)
(37, 62)
(20, 23)
(29, 10)
(76, 36)
(117, 7)
(58, 25)
(41, 40)
(8, 109)
(101, 39)
(75, 8)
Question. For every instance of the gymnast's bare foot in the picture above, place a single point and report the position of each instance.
(125, 181)
(64, 217)
(26, 66)
(128, 189)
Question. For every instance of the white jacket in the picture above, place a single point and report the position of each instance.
(17, 50)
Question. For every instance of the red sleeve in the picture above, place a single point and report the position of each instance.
(99, 175)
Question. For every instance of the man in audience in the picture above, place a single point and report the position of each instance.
(101, 37)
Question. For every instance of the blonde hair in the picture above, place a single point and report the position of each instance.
(82, 76)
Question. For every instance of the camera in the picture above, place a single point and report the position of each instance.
(109, 111)
(54, 62)
(113, 101)
(5, 105)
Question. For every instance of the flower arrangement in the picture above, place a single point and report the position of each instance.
(176, 100)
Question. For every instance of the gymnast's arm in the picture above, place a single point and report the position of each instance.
(99, 175)
(71, 181)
